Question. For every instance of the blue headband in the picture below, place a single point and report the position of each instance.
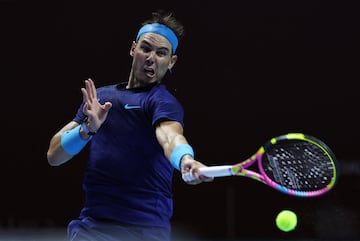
(162, 30)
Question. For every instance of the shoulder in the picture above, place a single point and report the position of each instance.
(107, 89)
(160, 93)
(162, 90)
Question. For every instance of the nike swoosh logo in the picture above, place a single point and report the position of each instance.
(129, 107)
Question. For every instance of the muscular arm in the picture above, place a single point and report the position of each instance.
(96, 114)
(56, 155)
(169, 135)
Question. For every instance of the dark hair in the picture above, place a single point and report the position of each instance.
(168, 19)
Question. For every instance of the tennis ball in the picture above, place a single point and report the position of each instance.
(286, 220)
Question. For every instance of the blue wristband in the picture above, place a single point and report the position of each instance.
(178, 153)
(72, 142)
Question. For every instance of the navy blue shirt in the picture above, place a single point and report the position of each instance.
(128, 178)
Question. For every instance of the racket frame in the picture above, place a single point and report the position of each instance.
(240, 169)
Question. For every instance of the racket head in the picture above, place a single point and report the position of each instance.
(298, 164)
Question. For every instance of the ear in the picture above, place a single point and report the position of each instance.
(132, 49)
(172, 61)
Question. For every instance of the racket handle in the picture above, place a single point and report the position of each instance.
(216, 171)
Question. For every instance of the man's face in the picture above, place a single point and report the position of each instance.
(151, 58)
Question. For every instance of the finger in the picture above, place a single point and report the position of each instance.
(206, 179)
(188, 177)
(107, 105)
(88, 90)
(85, 95)
(91, 89)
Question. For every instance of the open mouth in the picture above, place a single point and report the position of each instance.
(149, 72)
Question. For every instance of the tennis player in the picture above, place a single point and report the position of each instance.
(135, 134)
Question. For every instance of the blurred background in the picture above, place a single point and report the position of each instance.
(247, 71)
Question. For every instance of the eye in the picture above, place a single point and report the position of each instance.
(162, 52)
(145, 48)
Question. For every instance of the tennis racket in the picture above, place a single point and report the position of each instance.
(295, 164)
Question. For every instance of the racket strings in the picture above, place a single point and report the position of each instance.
(300, 166)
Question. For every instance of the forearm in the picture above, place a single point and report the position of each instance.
(56, 155)
(175, 146)
(173, 142)
(178, 149)
(65, 144)
(179, 153)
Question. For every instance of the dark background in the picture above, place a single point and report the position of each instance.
(247, 71)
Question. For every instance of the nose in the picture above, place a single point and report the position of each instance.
(150, 56)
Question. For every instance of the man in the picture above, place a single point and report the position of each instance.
(135, 133)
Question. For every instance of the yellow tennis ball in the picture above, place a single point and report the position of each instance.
(286, 220)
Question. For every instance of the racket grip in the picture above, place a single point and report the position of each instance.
(216, 171)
